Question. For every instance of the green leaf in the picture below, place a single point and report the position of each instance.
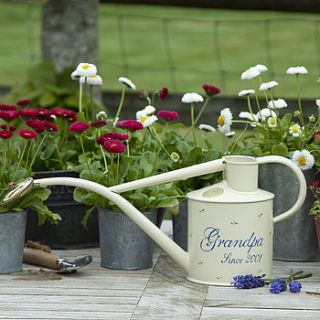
(86, 217)
(280, 150)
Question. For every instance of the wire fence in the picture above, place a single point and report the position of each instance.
(184, 52)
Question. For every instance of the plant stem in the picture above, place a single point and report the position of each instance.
(85, 157)
(120, 105)
(91, 112)
(299, 101)
(80, 97)
(37, 151)
(256, 95)
(118, 164)
(198, 115)
(20, 160)
(158, 139)
(192, 124)
(85, 98)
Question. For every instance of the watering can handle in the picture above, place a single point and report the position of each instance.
(302, 182)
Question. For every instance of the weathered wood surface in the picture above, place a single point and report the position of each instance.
(159, 293)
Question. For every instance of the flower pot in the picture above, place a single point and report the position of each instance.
(123, 245)
(295, 239)
(180, 226)
(12, 230)
(69, 233)
(317, 225)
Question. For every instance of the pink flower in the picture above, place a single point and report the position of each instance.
(314, 133)
(7, 107)
(78, 127)
(210, 90)
(99, 123)
(10, 127)
(9, 115)
(129, 125)
(5, 134)
(27, 134)
(50, 126)
(111, 136)
(114, 146)
(168, 115)
(63, 113)
(163, 93)
(28, 113)
(23, 103)
(43, 113)
(36, 124)
(315, 183)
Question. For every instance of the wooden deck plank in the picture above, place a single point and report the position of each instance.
(254, 314)
(168, 295)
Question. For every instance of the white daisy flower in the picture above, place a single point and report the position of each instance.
(85, 70)
(127, 82)
(318, 103)
(272, 122)
(94, 80)
(175, 156)
(244, 93)
(191, 97)
(230, 133)
(249, 74)
(145, 112)
(101, 115)
(295, 130)
(303, 159)
(261, 68)
(277, 104)
(268, 85)
(263, 114)
(225, 120)
(75, 75)
(297, 70)
(207, 127)
(148, 121)
(248, 115)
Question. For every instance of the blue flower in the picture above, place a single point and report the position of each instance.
(278, 285)
(247, 281)
(295, 286)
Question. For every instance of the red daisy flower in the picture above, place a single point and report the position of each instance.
(9, 115)
(65, 113)
(111, 136)
(43, 113)
(168, 115)
(7, 107)
(98, 123)
(210, 90)
(51, 126)
(23, 103)
(114, 146)
(315, 183)
(130, 125)
(163, 93)
(28, 113)
(27, 134)
(36, 124)
(78, 127)
(10, 127)
(5, 134)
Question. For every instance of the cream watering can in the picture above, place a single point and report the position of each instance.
(230, 224)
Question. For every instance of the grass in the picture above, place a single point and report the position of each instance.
(293, 40)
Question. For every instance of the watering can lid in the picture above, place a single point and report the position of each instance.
(222, 193)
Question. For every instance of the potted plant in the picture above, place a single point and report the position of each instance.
(273, 131)
(57, 153)
(16, 162)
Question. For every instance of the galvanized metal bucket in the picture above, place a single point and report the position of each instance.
(180, 226)
(294, 239)
(123, 245)
(12, 231)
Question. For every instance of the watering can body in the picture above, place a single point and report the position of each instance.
(230, 224)
(229, 233)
